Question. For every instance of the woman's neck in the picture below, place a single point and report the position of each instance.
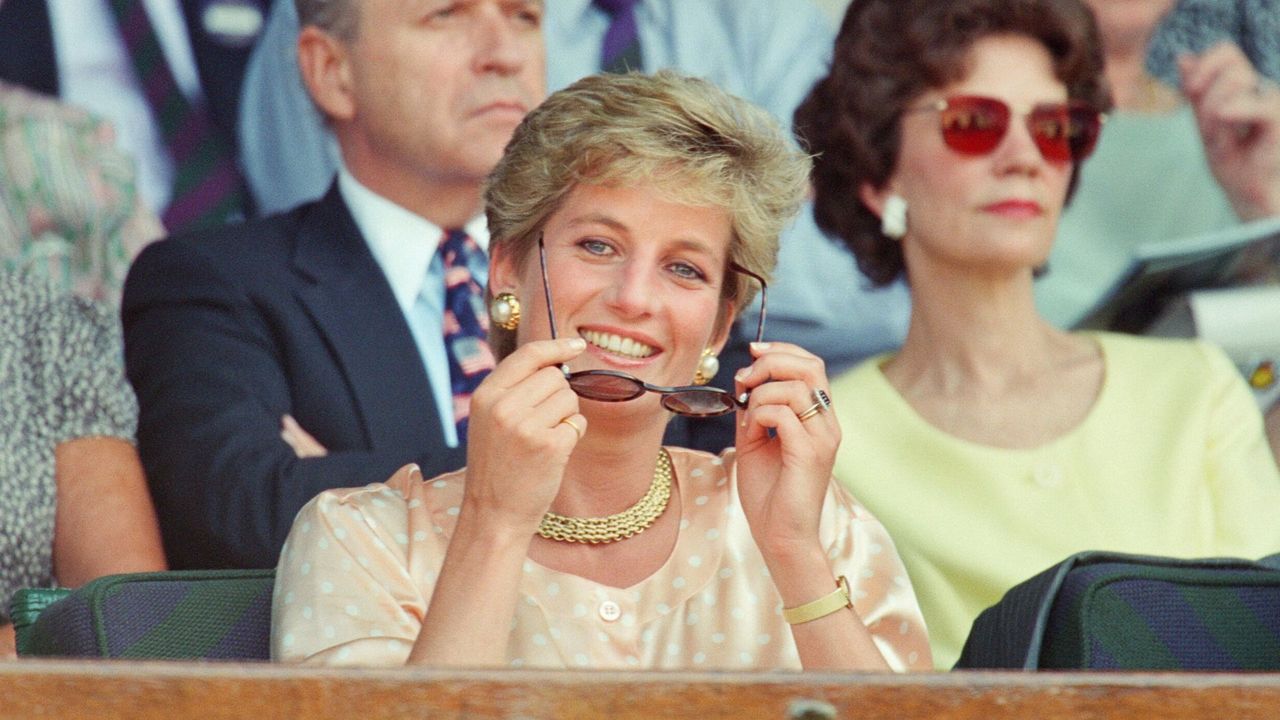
(973, 332)
(611, 468)
(1133, 88)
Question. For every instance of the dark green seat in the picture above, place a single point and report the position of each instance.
(187, 614)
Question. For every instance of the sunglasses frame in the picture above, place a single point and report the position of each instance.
(730, 401)
(1007, 114)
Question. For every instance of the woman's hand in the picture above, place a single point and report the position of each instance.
(783, 462)
(1238, 112)
(523, 425)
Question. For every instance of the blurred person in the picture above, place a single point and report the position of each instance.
(948, 137)
(1192, 145)
(633, 217)
(165, 73)
(329, 345)
(70, 213)
(73, 500)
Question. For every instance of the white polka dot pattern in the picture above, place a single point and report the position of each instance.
(710, 605)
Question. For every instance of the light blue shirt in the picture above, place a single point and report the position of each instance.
(767, 51)
(1147, 181)
(405, 245)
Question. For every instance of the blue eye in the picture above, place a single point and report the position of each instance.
(686, 271)
(595, 247)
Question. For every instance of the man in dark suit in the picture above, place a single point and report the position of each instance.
(78, 51)
(308, 326)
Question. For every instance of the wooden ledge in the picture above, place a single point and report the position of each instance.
(104, 690)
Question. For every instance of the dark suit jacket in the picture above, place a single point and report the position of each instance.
(228, 330)
(27, 57)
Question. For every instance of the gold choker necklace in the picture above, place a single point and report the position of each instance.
(619, 526)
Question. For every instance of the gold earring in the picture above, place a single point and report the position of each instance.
(505, 311)
(708, 366)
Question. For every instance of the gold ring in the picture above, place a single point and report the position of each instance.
(814, 409)
(572, 424)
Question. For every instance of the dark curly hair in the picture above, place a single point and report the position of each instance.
(887, 54)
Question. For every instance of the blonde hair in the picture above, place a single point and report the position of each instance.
(692, 142)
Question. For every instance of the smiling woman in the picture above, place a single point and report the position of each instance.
(632, 218)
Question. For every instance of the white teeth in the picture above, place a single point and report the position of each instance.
(617, 344)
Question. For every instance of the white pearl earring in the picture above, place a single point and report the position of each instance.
(893, 218)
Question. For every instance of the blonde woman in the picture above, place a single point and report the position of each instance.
(632, 218)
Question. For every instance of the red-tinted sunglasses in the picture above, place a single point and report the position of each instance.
(975, 125)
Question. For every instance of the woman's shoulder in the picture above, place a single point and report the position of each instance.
(1171, 373)
(862, 381)
(33, 306)
(1156, 356)
(388, 503)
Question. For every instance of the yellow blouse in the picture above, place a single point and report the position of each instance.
(357, 572)
(1171, 460)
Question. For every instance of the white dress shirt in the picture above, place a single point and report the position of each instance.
(95, 72)
(405, 246)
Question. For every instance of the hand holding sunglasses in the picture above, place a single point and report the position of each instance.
(616, 386)
(975, 125)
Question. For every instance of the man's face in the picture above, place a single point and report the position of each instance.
(437, 87)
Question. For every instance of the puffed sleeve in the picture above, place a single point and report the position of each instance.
(1243, 479)
(347, 591)
(860, 549)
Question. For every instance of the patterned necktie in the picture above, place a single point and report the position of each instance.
(621, 47)
(207, 187)
(466, 325)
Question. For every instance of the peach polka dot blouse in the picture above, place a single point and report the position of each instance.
(357, 571)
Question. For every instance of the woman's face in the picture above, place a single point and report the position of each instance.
(996, 212)
(637, 276)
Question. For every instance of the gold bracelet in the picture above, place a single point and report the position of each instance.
(822, 607)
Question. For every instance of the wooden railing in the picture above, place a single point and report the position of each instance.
(104, 690)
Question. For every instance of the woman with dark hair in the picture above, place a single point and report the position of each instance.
(948, 137)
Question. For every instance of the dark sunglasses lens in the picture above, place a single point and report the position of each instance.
(974, 125)
(606, 388)
(1064, 132)
(1084, 129)
(698, 403)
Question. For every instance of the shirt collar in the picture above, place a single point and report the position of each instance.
(402, 242)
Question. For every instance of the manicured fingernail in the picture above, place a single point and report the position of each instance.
(577, 344)
(760, 346)
(742, 375)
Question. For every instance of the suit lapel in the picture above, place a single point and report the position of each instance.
(26, 45)
(351, 303)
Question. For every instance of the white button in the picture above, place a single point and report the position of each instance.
(1049, 476)
(609, 611)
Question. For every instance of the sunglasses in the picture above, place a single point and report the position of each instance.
(975, 125)
(614, 386)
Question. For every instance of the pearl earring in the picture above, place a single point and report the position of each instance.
(505, 311)
(708, 366)
(893, 219)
